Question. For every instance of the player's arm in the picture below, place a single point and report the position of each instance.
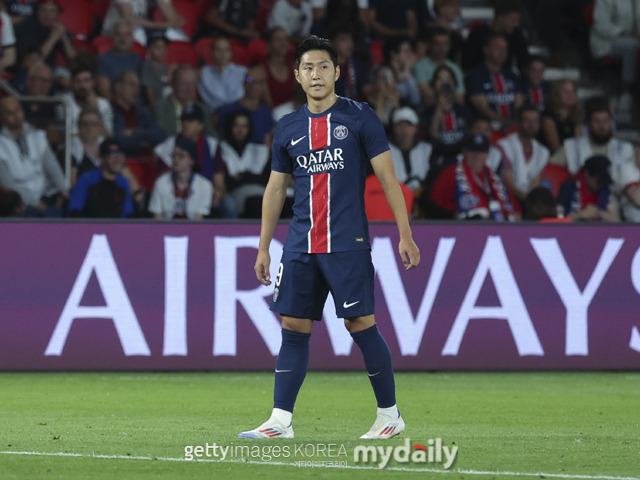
(383, 168)
(272, 203)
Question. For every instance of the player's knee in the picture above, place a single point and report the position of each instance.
(301, 325)
(357, 324)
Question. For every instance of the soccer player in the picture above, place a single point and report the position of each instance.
(326, 145)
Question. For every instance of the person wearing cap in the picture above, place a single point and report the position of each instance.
(133, 125)
(410, 155)
(223, 82)
(47, 32)
(587, 196)
(523, 157)
(470, 189)
(103, 192)
(182, 193)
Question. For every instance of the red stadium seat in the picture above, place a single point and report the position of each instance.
(240, 53)
(376, 51)
(77, 16)
(375, 201)
(203, 49)
(181, 52)
(553, 176)
(144, 171)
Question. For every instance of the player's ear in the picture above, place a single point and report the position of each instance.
(337, 73)
(296, 75)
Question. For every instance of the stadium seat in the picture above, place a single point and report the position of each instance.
(203, 49)
(257, 51)
(375, 201)
(77, 16)
(553, 176)
(376, 51)
(144, 171)
(181, 52)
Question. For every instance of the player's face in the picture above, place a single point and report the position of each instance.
(317, 75)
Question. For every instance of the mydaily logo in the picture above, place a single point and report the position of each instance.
(433, 452)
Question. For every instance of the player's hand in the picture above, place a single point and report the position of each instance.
(262, 268)
(410, 253)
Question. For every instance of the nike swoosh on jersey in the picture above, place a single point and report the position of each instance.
(349, 305)
(293, 142)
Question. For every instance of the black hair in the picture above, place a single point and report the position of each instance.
(227, 133)
(393, 45)
(316, 43)
(539, 204)
(448, 69)
(527, 107)
(594, 105)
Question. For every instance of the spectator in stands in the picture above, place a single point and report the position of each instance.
(536, 88)
(133, 125)
(7, 43)
(445, 121)
(47, 32)
(628, 183)
(599, 141)
(587, 195)
(280, 79)
(246, 164)
(353, 73)
(563, 116)
(382, 93)
(31, 56)
(117, 60)
(83, 95)
(103, 192)
(19, 10)
(85, 147)
(294, 16)
(506, 21)
(616, 32)
(481, 126)
(540, 206)
(235, 20)
(255, 87)
(11, 205)
(27, 163)
(410, 155)
(135, 12)
(222, 82)
(391, 19)
(182, 193)
(167, 110)
(470, 189)
(400, 57)
(439, 45)
(523, 157)
(446, 15)
(192, 120)
(349, 16)
(495, 92)
(155, 73)
(39, 83)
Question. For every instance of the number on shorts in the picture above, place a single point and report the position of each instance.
(279, 277)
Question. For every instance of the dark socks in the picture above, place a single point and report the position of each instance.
(291, 368)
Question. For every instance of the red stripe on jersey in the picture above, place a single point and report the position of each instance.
(449, 121)
(319, 132)
(536, 95)
(498, 82)
(319, 234)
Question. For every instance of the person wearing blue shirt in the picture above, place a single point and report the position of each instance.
(326, 145)
(103, 192)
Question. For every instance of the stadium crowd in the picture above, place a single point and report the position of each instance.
(166, 108)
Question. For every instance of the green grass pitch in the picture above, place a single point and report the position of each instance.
(136, 425)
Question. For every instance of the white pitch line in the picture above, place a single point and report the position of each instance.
(345, 467)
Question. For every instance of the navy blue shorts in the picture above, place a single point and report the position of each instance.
(304, 281)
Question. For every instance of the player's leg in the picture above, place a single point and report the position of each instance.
(377, 360)
(299, 296)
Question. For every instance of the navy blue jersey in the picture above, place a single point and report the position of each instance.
(328, 154)
(500, 89)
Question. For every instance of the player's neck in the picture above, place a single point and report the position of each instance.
(321, 105)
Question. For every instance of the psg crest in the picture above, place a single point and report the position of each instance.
(340, 132)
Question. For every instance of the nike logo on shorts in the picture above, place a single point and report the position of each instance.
(293, 142)
(349, 305)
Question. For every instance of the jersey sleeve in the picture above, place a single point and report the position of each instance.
(372, 134)
(280, 159)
